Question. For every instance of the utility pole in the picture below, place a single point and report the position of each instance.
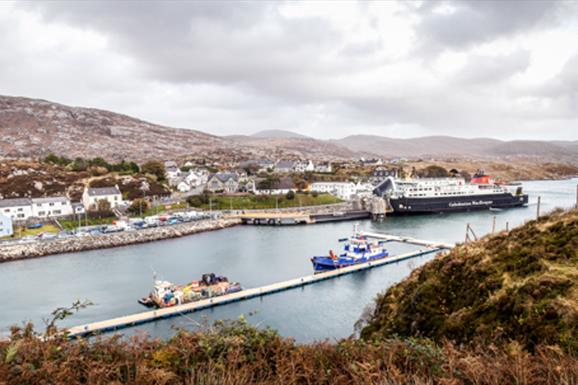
(538, 208)
(494, 225)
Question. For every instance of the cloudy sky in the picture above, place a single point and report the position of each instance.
(498, 69)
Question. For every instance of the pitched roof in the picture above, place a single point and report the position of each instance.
(101, 191)
(282, 184)
(50, 200)
(15, 202)
(285, 164)
(225, 176)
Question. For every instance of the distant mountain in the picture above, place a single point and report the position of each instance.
(32, 127)
(279, 134)
(447, 146)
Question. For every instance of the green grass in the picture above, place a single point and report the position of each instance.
(73, 224)
(22, 231)
(163, 209)
(248, 202)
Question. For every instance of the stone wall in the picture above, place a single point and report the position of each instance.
(74, 244)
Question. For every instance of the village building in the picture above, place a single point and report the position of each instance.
(283, 186)
(6, 227)
(285, 166)
(92, 195)
(51, 207)
(324, 168)
(18, 209)
(342, 190)
(223, 182)
(78, 208)
(172, 173)
(304, 166)
(383, 172)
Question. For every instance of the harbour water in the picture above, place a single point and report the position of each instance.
(115, 278)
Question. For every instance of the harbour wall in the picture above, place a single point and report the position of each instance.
(14, 252)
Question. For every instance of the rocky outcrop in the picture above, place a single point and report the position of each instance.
(74, 244)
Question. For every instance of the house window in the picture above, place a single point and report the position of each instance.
(51, 204)
(20, 209)
(57, 212)
(115, 198)
(6, 210)
(20, 215)
(42, 213)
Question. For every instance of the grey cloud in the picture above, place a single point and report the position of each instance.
(484, 70)
(475, 22)
(237, 67)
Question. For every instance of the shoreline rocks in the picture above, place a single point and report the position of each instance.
(15, 252)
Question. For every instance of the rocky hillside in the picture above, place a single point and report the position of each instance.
(520, 286)
(30, 127)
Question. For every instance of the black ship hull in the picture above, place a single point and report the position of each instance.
(409, 206)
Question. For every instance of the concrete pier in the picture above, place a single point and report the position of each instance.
(153, 315)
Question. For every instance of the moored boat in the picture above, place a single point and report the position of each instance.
(438, 195)
(358, 249)
(166, 294)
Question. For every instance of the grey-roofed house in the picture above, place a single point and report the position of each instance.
(223, 182)
(283, 186)
(285, 166)
(92, 195)
(51, 207)
(18, 209)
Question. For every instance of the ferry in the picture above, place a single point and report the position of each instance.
(436, 195)
(166, 294)
(357, 250)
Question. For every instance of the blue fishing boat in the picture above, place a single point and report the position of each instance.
(357, 249)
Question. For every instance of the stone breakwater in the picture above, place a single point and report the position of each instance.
(74, 244)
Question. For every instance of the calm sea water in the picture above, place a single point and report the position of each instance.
(114, 279)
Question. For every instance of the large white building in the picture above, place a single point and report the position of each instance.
(51, 207)
(18, 209)
(92, 195)
(342, 190)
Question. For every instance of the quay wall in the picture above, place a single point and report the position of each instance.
(14, 252)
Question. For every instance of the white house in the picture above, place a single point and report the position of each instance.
(51, 207)
(18, 209)
(184, 187)
(6, 228)
(323, 167)
(92, 195)
(342, 190)
(172, 173)
(304, 166)
(283, 186)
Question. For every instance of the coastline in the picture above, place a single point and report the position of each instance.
(9, 253)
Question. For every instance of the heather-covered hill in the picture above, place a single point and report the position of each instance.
(519, 286)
